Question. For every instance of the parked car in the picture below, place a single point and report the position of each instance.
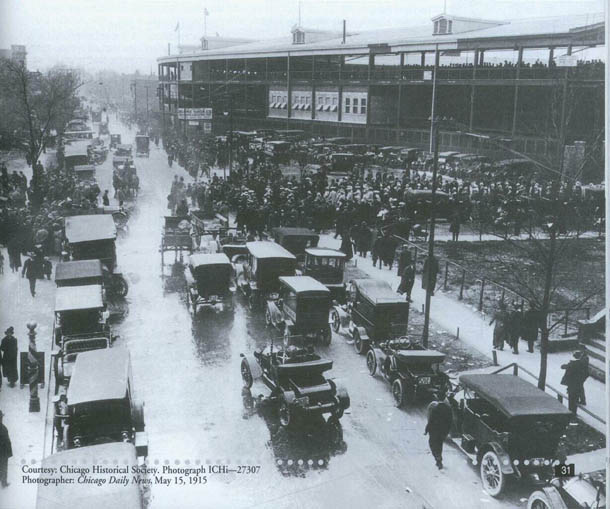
(79, 273)
(581, 491)
(115, 140)
(92, 495)
(411, 370)
(101, 404)
(124, 149)
(295, 240)
(301, 309)
(327, 266)
(373, 313)
(257, 273)
(510, 428)
(292, 376)
(208, 282)
(142, 145)
(92, 237)
(80, 325)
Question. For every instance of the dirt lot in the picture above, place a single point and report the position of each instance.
(580, 273)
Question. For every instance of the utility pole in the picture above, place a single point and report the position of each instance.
(230, 136)
(147, 115)
(135, 100)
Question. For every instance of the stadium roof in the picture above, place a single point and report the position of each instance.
(532, 32)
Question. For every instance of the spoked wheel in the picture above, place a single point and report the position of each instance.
(326, 336)
(120, 287)
(246, 374)
(268, 322)
(285, 414)
(492, 477)
(358, 343)
(398, 392)
(335, 320)
(539, 500)
(335, 430)
(371, 362)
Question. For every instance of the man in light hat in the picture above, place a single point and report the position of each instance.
(6, 451)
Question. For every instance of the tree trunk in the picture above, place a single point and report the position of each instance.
(546, 305)
(544, 348)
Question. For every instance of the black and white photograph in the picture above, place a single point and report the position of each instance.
(320, 254)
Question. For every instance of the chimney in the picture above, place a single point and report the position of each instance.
(343, 41)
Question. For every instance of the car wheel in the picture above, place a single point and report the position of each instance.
(326, 336)
(246, 374)
(371, 362)
(121, 288)
(285, 414)
(539, 500)
(492, 477)
(398, 392)
(335, 320)
(335, 430)
(268, 322)
(358, 343)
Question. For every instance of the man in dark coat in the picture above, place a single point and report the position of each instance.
(407, 279)
(573, 379)
(513, 329)
(440, 419)
(404, 259)
(32, 270)
(529, 327)
(9, 350)
(429, 274)
(6, 451)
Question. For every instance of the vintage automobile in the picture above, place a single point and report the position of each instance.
(80, 325)
(120, 161)
(373, 313)
(508, 427)
(79, 273)
(301, 309)
(208, 282)
(125, 150)
(295, 240)
(581, 491)
(115, 140)
(142, 145)
(101, 404)
(76, 154)
(103, 128)
(100, 495)
(327, 266)
(257, 273)
(85, 172)
(92, 237)
(411, 370)
(292, 375)
(278, 151)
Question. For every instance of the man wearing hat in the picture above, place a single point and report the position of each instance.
(574, 379)
(6, 452)
(8, 349)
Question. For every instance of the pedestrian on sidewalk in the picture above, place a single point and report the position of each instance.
(346, 246)
(430, 274)
(513, 328)
(9, 350)
(6, 451)
(584, 371)
(439, 423)
(407, 280)
(573, 379)
(404, 259)
(454, 226)
(33, 270)
(106, 199)
(529, 326)
(499, 318)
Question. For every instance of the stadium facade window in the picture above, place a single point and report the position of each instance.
(347, 105)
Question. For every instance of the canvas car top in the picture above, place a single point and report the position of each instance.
(377, 291)
(199, 259)
(72, 298)
(84, 167)
(302, 284)
(325, 251)
(99, 375)
(513, 396)
(90, 496)
(78, 269)
(89, 228)
(268, 249)
(294, 232)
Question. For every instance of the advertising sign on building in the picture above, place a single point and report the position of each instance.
(427, 75)
(566, 61)
(207, 127)
(195, 113)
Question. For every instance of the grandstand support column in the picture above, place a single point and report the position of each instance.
(473, 88)
(516, 98)
(313, 87)
(423, 59)
(266, 69)
(481, 57)
(399, 104)
(562, 125)
(340, 101)
(289, 86)
(551, 56)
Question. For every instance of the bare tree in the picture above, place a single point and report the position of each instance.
(37, 105)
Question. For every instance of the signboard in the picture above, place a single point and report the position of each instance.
(195, 113)
(193, 122)
(566, 61)
(427, 75)
(207, 127)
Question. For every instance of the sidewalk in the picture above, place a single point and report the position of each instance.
(474, 329)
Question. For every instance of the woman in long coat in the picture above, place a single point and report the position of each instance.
(9, 350)
(500, 317)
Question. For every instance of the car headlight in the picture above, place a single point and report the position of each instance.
(77, 442)
(304, 401)
(125, 436)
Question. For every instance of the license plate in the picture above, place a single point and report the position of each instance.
(424, 380)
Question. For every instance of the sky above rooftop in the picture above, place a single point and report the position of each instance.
(125, 35)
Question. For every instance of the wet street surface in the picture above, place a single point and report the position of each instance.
(187, 371)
